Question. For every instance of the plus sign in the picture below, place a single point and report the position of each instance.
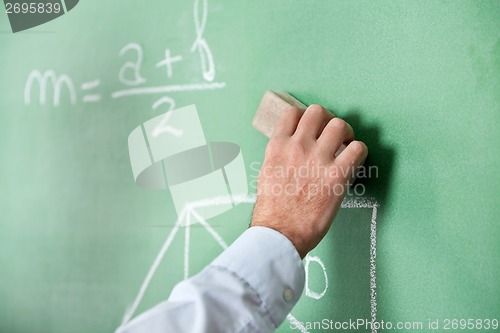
(168, 61)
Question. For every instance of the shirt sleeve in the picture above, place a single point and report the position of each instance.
(250, 287)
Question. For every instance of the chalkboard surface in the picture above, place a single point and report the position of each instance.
(418, 80)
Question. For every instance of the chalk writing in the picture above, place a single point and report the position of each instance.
(130, 73)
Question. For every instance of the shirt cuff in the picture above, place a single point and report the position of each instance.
(267, 260)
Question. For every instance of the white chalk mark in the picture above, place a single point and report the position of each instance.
(135, 67)
(131, 310)
(186, 245)
(369, 203)
(90, 85)
(168, 89)
(91, 98)
(359, 203)
(189, 210)
(199, 26)
(373, 267)
(57, 83)
(296, 323)
(164, 100)
(207, 226)
(207, 61)
(186, 211)
(168, 61)
(223, 200)
(200, 44)
(162, 127)
(309, 292)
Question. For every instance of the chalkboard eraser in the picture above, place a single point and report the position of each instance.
(270, 109)
(272, 105)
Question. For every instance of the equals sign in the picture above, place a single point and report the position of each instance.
(91, 98)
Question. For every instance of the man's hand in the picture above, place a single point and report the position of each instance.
(301, 184)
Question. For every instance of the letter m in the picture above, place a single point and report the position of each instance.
(57, 85)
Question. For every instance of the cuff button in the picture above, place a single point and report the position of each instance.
(288, 294)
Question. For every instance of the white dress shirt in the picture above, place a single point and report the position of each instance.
(250, 287)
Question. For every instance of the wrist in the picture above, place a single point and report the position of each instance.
(297, 240)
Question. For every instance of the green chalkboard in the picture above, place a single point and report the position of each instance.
(418, 80)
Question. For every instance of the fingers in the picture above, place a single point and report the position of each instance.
(331, 133)
(353, 155)
(287, 123)
(336, 133)
(313, 122)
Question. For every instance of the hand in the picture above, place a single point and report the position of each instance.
(301, 184)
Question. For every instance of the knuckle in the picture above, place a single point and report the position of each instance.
(273, 148)
(319, 112)
(315, 108)
(296, 150)
(339, 124)
(359, 147)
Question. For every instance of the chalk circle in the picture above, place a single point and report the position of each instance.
(310, 293)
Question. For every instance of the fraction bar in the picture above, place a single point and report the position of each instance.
(168, 89)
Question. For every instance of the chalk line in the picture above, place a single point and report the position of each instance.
(309, 292)
(186, 213)
(162, 127)
(190, 211)
(91, 98)
(206, 57)
(168, 61)
(373, 267)
(223, 200)
(207, 226)
(58, 82)
(186, 246)
(130, 312)
(90, 85)
(373, 204)
(168, 89)
(164, 100)
(136, 67)
(359, 203)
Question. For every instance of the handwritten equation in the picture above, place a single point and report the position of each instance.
(130, 74)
